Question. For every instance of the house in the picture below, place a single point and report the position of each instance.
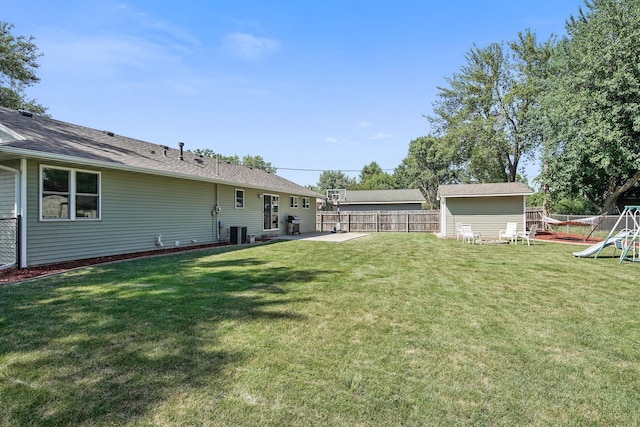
(486, 207)
(382, 200)
(83, 193)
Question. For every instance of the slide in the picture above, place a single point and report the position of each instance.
(610, 241)
(595, 248)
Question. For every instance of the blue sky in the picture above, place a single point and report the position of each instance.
(316, 85)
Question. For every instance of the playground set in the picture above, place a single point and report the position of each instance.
(627, 239)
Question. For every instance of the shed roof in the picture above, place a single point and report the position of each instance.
(383, 196)
(24, 136)
(484, 190)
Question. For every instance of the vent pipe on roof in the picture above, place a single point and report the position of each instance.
(181, 144)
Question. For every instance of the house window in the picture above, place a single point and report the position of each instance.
(293, 202)
(69, 194)
(306, 203)
(239, 199)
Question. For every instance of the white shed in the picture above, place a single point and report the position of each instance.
(487, 207)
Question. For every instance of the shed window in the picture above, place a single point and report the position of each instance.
(69, 194)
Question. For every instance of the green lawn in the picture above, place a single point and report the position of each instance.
(389, 329)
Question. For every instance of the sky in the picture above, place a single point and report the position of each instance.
(307, 85)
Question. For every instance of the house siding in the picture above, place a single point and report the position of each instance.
(136, 208)
(7, 193)
(487, 215)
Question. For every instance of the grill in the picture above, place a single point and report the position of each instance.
(293, 224)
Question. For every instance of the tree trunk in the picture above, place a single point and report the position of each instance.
(611, 202)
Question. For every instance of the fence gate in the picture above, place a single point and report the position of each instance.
(8, 242)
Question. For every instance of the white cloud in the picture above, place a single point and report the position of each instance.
(329, 139)
(380, 135)
(248, 46)
(364, 124)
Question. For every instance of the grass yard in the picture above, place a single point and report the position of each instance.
(389, 329)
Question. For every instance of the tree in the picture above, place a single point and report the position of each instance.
(489, 109)
(18, 65)
(334, 179)
(592, 104)
(256, 162)
(372, 177)
(431, 161)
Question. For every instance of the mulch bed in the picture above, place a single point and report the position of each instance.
(566, 238)
(11, 275)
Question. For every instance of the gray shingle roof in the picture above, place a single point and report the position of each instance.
(479, 190)
(46, 138)
(384, 196)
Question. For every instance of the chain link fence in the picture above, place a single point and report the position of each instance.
(8, 242)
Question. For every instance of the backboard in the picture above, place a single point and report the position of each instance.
(337, 195)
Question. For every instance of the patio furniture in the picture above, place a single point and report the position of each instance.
(511, 232)
(469, 236)
(458, 230)
(528, 235)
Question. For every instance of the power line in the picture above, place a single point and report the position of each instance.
(323, 170)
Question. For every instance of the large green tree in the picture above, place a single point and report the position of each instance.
(592, 104)
(18, 65)
(489, 109)
(431, 161)
(334, 180)
(372, 177)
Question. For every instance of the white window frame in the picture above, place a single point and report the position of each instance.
(72, 194)
(306, 203)
(235, 195)
(293, 202)
(271, 216)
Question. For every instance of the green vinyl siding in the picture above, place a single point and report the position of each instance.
(487, 215)
(7, 193)
(136, 208)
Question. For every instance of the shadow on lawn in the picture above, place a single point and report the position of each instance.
(109, 345)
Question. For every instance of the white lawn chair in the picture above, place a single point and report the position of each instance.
(510, 233)
(528, 235)
(458, 230)
(468, 236)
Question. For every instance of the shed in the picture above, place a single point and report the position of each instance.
(382, 200)
(486, 207)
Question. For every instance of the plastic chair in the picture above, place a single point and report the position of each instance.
(468, 236)
(528, 235)
(510, 233)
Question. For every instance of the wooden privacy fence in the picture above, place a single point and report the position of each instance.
(380, 221)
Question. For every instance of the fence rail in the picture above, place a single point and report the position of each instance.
(380, 221)
(8, 242)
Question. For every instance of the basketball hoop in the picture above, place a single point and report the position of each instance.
(337, 195)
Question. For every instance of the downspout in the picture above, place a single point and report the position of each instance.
(216, 224)
(23, 214)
